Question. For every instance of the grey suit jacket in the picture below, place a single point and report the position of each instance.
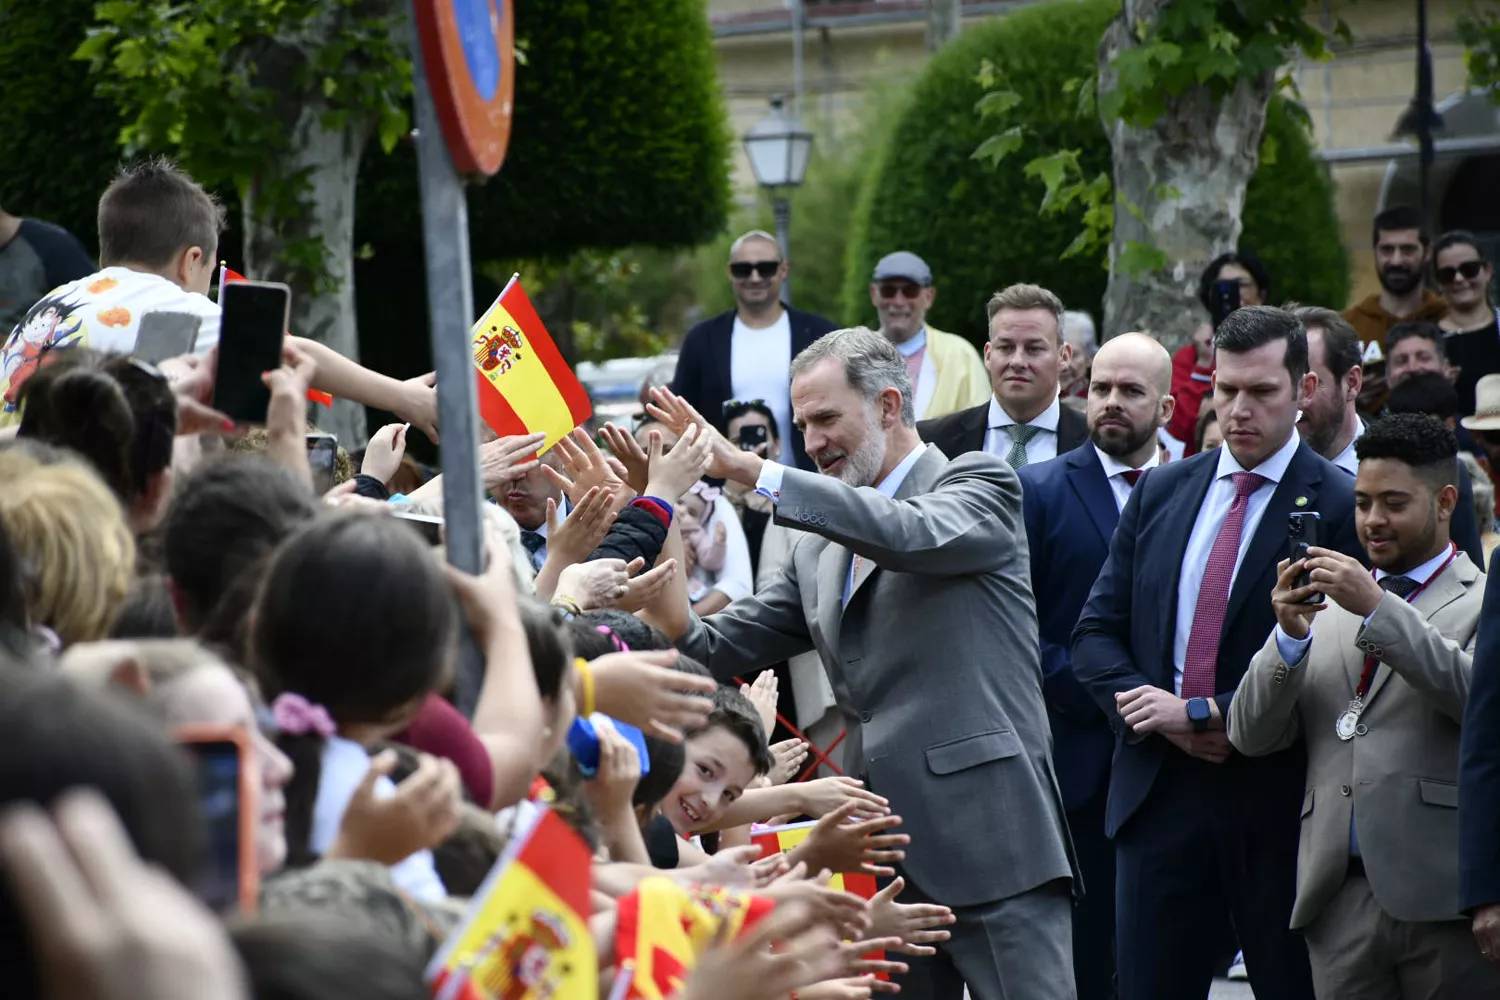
(934, 664)
(1400, 779)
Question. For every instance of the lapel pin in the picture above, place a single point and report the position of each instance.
(1301, 501)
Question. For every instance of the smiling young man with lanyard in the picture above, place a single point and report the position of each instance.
(1377, 691)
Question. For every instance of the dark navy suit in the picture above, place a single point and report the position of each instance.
(1200, 844)
(1070, 515)
(1479, 766)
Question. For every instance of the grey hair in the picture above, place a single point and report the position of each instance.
(1081, 325)
(871, 364)
(755, 234)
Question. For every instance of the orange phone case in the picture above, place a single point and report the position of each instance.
(249, 800)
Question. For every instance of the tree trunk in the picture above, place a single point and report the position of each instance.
(944, 22)
(321, 310)
(1186, 173)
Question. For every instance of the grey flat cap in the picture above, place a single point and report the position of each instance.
(903, 264)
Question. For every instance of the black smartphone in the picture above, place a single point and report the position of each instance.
(252, 330)
(752, 436)
(1304, 530)
(322, 453)
(164, 335)
(1223, 299)
(227, 804)
(430, 528)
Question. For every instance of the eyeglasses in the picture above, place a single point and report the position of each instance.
(905, 290)
(1469, 269)
(765, 268)
(740, 404)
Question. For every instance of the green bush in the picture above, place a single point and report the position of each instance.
(978, 226)
(823, 209)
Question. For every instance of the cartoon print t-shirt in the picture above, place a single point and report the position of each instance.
(102, 311)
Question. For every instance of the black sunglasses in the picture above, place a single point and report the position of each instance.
(904, 289)
(1469, 269)
(765, 268)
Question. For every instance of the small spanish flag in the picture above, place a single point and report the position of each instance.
(663, 927)
(525, 386)
(227, 277)
(526, 935)
(780, 839)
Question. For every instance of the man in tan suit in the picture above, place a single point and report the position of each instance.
(1377, 691)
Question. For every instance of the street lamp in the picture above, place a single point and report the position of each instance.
(778, 147)
(1420, 119)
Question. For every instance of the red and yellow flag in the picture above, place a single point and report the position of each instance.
(526, 935)
(229, 277)
(663, 927)
(525, 386)
(780, 839)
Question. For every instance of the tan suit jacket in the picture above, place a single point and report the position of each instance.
(1400, 779)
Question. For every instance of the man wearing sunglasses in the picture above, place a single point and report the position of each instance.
(746, 353)
(946, 373)
(1401, 242)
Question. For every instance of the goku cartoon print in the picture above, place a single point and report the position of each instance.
(53, 323)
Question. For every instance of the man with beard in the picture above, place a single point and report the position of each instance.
(742, 355)
(1401, 243)
(1023, 421)
(1378, 872)
(1072, 505)
(946, 373)
(911, 581)
(1330, 423)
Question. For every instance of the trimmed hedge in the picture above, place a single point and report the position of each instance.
(979, 228)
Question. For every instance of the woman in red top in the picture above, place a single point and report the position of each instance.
(1193, 364)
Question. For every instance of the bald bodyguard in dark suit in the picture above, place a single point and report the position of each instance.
(1072, 505)
(912, 583)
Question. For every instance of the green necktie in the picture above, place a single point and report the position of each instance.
(1020, 434)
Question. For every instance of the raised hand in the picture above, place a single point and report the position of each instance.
(599, 583)
(762, 694)
(917, 925)
(632, 458)
(673, 472)
(575, 539)
(423, 813)
(788, 757)
(828, 795)
(585, 468)
(728, 461)
(505, 460)
(643, 690)
(862, 848)
(645, 588)
(384, 452)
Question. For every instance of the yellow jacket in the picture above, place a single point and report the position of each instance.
(961, 381)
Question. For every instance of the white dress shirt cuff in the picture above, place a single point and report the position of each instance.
(1293, 651)
(769, 483)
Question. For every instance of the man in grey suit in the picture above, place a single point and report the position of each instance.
(912, 582)
(1376, 688)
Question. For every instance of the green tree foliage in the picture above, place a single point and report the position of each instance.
(60, 138)
(823, 209)
(975, 218)
(1479, 28)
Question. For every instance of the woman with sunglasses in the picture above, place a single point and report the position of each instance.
(1472, 326)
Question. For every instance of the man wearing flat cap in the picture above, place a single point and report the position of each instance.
(946, 373)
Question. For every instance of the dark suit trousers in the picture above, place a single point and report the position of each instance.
(1012, 949)
(1094, 914)
(1193, 862)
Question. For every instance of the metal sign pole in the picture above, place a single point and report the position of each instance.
(450, 313)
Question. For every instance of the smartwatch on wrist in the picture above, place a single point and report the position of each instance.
(1199, 713)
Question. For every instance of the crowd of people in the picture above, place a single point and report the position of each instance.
(1023, 633)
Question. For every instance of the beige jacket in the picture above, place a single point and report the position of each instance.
(1399, 780)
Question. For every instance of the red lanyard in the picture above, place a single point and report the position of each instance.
(1368, 674)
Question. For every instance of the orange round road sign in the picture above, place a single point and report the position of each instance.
(468, 52)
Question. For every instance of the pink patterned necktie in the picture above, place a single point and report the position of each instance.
(1199, 667)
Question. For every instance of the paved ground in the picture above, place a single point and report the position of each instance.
(1225, 990)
